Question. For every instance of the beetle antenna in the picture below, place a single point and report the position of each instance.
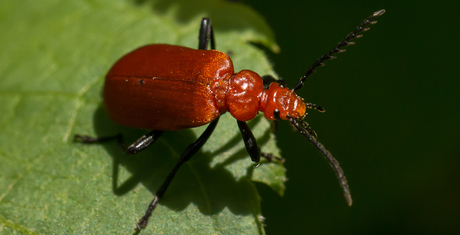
(304, 130)
(345, 42)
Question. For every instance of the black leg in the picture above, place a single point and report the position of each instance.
(249, 141)
(143, 142)
(251, 145)
(140, 144)
(186, 155)
(336, 49)
(206, 35)
(85, 139)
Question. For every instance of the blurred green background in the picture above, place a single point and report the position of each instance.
(392, 104)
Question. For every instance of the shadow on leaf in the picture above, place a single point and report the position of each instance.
(210, 189)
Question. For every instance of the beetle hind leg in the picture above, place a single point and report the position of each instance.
(184, 157)
(86, 139)
(140, 144)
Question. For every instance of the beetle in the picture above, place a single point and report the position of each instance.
(164, 88)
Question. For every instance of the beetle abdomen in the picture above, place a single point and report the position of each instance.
(158, 104)
(163, 87)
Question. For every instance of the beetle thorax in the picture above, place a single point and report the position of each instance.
(246, 96)
(243, 95)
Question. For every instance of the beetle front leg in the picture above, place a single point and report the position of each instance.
(249, 141)
(251, 144)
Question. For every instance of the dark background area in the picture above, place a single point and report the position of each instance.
(392, 117)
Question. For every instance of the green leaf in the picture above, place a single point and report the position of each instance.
(53, 59)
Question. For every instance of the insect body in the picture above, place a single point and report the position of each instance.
(163, 88)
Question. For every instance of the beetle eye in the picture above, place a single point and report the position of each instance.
(276, 114)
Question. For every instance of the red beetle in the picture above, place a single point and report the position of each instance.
(163, 88)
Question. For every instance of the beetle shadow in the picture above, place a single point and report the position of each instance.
(210, 189)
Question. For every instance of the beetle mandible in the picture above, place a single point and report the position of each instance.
(163, 88)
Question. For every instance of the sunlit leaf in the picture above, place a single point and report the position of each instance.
(53, 59)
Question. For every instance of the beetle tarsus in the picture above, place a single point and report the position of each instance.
(86, 139)
(143, 222)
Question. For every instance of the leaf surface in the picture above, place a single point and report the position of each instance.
(53, 59)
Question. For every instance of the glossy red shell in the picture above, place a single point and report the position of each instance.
(164, 87)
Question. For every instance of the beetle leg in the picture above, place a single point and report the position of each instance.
(251, 145)
(144, 142)
(134, 148)
(185, 156)
(85, 139)
(206, 35)
(249, 141)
